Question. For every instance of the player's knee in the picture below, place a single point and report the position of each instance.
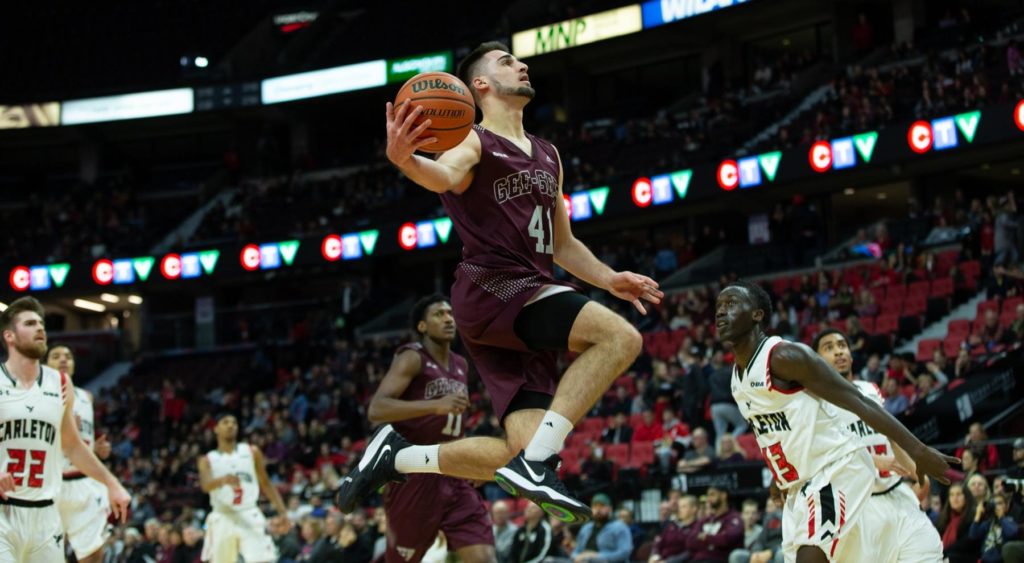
(631, 341)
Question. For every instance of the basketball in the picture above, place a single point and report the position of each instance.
(446, 102)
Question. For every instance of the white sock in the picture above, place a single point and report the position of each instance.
(418, 459)
(550, 437)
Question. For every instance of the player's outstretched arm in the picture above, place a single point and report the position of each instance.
(266, 486)
(86, 461)
(803, 366)
(453, 171)
(574, 256)
(387, 407)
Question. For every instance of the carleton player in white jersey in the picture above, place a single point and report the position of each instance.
(904, 532)
(789, 396)
(83, 503)
(233, 475)
(37, 431)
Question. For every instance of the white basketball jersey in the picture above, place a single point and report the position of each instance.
(240, 463)
(30, 445)
(798, 433)
(875, 442)
(82, 410)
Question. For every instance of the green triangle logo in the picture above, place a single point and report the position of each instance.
(598, 199)
(443, 226)
(369, 240)
(681, 182)
(143, 266)
(208, 258)
(59, 273)
(967, 123)
(865, 143)
(770, 163)
(288, 249)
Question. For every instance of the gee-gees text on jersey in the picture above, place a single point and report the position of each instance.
(523, 183)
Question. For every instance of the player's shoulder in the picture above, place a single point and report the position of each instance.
(54, 378)
(867, 388)
(460, 363)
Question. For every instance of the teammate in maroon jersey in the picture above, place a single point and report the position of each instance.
(502, 189)
(424, 394)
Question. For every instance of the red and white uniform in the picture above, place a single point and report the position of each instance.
(901, 529)
(236, 525)
(30, 450)
(812, 456)
(83, 503)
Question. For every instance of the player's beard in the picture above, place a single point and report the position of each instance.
(32, 350)
(525, 91)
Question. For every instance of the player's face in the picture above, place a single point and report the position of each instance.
(508, 75)
(836, 352)
(735, 314)
(62, 360)
(227, 428)
(439, 322)
(27, 335)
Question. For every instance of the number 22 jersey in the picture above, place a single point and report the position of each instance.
(798, 433)
(30, 439)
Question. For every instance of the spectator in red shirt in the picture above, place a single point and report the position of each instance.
(649, 430)
(975, 440)
(719, 533)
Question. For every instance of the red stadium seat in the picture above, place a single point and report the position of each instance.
(879, 294)
(892, 306)
(868, 324)
(971, 269)
(959, 328)
(636, 420)
(641, 454)
(1010, 304)
(992, 304)
(618, 454)
(926, 347)
(915, 305)
(592, 425)
(918, 289)
(896, 292)
(942, 287)
(887, 323)
(748, 443)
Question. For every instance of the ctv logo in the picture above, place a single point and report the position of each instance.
(940, 134)
(351, 246)
(38, 278)
(122, 271)
(747, 172)
(424, 234)
(269, 256)
(189, 265)
(841, 153)
(587, 203)
(661, 189)
(1018, 115)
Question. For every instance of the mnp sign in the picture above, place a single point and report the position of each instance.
(576, 32)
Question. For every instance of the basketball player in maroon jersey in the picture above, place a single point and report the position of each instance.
(424, 395)
(502, 189)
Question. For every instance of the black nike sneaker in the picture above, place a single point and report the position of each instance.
(538, 482)
(375, 469)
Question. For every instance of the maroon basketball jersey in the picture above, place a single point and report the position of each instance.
(505, 217)
(434, 381)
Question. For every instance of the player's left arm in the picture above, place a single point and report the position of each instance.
(102, 447)
(85, 460)
(266, 486)
(802, 366)
(570, 253)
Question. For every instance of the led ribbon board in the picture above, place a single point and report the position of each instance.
(842, 153)
(576, 32)
(424, 234)
(586, 204)
(39, 278)
(661, 12)
(122, 271)
(940, 134)
(748, 172)
(189, 265)
(350, 246)
(662, 188)
(268, 256)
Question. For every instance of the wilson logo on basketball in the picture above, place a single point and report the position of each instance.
(436, 84)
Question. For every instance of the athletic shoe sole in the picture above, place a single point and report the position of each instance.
(551, 501)
(347, 503)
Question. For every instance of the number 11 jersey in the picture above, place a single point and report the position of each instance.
(30, 439)
(433, 382)
(798, 433)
